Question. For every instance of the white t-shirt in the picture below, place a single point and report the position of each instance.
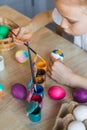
(80, 41)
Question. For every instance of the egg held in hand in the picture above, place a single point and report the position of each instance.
(56, 92)
(57, 54)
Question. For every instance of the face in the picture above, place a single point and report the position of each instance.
(74, 20)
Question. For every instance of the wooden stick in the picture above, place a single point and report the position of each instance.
(31, 66)
(35, 52)
(13, 33)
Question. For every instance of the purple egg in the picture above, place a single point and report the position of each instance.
(56, 92)
(80, 95)
(19, 91)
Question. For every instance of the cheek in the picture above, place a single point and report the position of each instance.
(77, 29)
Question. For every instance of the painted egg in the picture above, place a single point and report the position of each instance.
(57, 54)
(1, 89)
(80, 95)
(4, 30)
(21, 56)
(1, 37)
(56, 92)
(19, 91)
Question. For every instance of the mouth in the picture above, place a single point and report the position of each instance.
(67, 32)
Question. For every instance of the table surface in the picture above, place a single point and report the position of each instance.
(13, 111)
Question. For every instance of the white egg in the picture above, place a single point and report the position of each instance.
(80, 112)
(76, 125)
(57, 54)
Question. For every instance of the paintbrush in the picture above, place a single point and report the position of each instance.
(13, 33)
(30, 59)
(27, 46)
(16, 36)
(31, 66)
(35, 52)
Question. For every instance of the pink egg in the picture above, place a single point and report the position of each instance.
(56, 92)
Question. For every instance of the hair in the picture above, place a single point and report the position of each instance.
(82, 3)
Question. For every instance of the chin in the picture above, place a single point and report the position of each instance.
(68, 33)
(77, 34)
(73, 33)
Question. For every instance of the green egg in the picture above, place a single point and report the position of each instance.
(1, 37)
(4, 30)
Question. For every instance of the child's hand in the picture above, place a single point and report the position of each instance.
(59, 72)
(22, 35)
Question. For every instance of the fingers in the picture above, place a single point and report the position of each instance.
(27, 36)
(52, 59)
(16, 31)
(18, 41)
(48, 73)
(52, 67)
(22, 36)
(51, 75)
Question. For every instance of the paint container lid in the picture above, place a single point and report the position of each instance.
(31, 107)
(35, 116)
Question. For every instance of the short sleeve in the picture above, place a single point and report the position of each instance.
(57, 18)
(81, 41)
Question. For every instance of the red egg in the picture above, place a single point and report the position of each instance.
(56, 92)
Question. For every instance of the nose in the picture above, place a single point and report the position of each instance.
(64, 23)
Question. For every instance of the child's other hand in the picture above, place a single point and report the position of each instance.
(59, 72)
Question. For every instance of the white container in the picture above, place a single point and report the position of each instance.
(2, 66)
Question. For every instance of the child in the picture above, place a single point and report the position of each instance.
(71, 15)
(39, 21)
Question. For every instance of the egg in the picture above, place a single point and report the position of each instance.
(57, 54)
(80, 112)
(76, 125)
(19, 91)
(80, 95)
(1, 37)
(21, 56)
(1, 89)
(56, 92)
(4, 30)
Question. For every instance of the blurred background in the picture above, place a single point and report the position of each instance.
(29, 7)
